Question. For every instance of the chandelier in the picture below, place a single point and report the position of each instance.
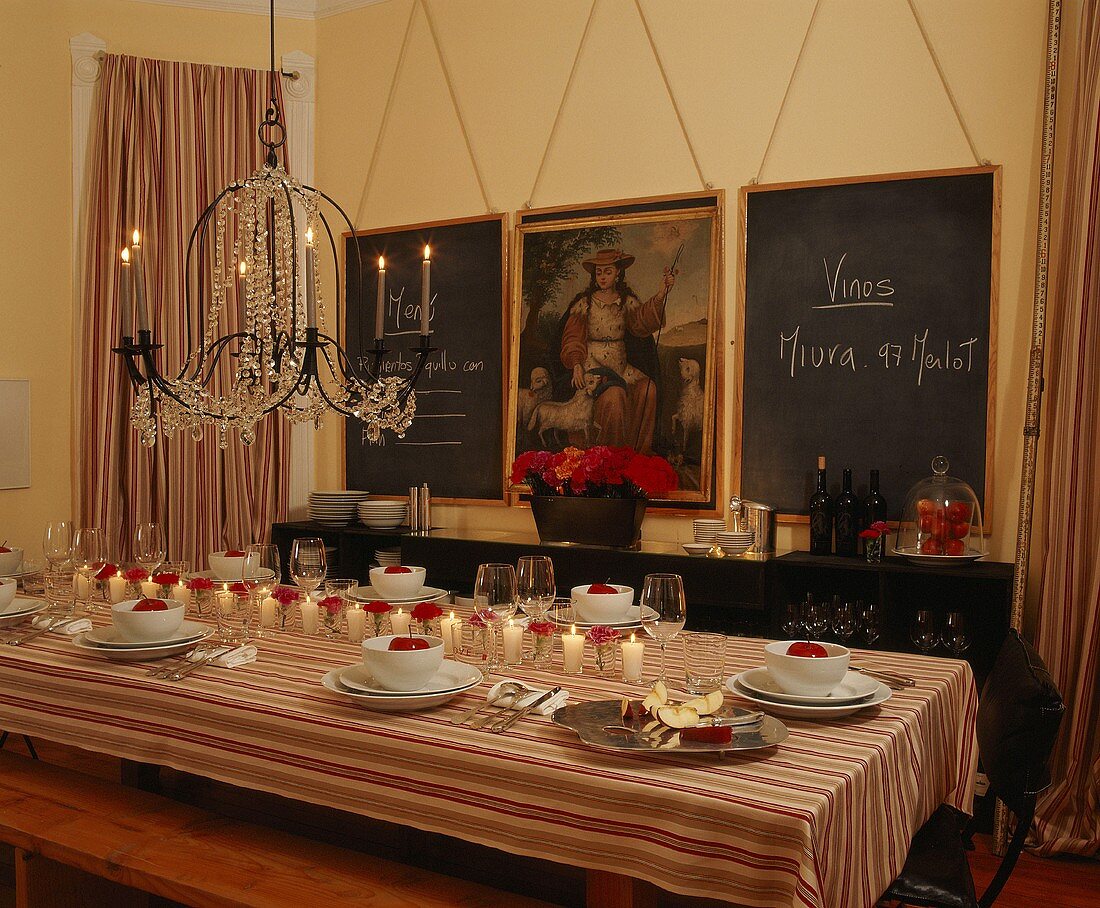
(245, 257)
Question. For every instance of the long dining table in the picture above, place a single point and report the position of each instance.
(823, 819)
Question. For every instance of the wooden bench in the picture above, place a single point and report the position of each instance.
(82, 841)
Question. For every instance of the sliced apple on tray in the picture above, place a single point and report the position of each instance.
(711, 703)
(655, 698)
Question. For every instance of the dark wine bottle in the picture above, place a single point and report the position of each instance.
(874, 505)
(821, 515)
(846, 511)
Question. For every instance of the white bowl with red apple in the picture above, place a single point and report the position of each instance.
(11, 560)
(403, 663)
(147, 620)
(397, 581)
(227, 565)
(602, 603)
(806, 668)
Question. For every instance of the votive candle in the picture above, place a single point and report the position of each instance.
(82, 586)
(269, 611)
(513, 643)
(310, 616)
(572, 647)
(116, 588)
(357, 622)
(633, 651)
(180, 593)
(447, 630)
(399, 622)
(149, 589)
(225, 600)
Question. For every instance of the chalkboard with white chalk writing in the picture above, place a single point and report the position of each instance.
(869, 318)
(456, 441)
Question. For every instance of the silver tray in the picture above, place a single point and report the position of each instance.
(591, 722)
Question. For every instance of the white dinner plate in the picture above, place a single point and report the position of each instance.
(852, 689)
(188, 632)
(20, 608)
(793, 711)
(262, 576)
(426, 594)
(452, 676)
(136, 654)
(917, 557)
(390, 703)
(626, 625)
(26, 570)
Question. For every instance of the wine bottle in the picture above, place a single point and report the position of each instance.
(821, 515)
(846, 511)
(874, 505)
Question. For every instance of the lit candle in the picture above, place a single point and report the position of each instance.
(426, 290)
(125, 303)
(633, 650)
(311, 283)
(380, 311)
(116, 587)
(572, 647)
(269, 611)
(81, 586)
(180, 593)
(357, 622)
(447, 630)
(139, 282)
(225, 600)
(309, 616)
(513, 643)
(150, 590)
(399, 622)
(242, 284)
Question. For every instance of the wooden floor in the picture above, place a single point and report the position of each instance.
(1035, 883)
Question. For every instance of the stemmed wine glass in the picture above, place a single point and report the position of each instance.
(149, 547)
(89, 555)
(535, 585)
(308, 566)
(815, 618)
(259, 562)
(495, 600)
(664, 610)
(792, 619)
(57, 543)
(870, 622)
(844, 620)
(923, 631)
(955, 635)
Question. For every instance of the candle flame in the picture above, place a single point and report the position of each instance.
(381, 263)
(137, 237)
(573, 629)
(242, 268)
(225, 587)
(309, 236)
(427, 253)
(452, 616)
(632, 637)
(400, 611)
(511, 622)
(126, 254)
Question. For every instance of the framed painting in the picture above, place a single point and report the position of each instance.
(616, 332)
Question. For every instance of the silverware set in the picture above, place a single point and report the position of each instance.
(890, 679)
(193, 660)
(503, 699)
(55, 624)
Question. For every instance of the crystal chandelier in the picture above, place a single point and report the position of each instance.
(247, 250)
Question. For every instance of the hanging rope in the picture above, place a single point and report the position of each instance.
(671, 96)
(978, 159)
(786, 92)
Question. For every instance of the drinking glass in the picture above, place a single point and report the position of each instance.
(535, 584)
(149, 547)
(664, 610)
(57, 543)
(233, 612)
(955, 635)
(307, 563)
(815, 619)
(870, 622)
(89, 555)
(495, 600)
(844, 620)
(59, 592)
(923, 631)
(343, 589)
(792, 620)
(704, 662)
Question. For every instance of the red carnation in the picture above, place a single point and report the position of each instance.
(285, 595)
(135, 575)
(106, 572)
(426, 611)
(601, 634)
(541, 628)
(377, 607)
(166, 579)
(199, 583)
(331, 604)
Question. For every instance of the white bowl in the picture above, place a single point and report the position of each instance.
(383, 522)
(804, 675)
(226, 568)
(696, 548)
(8, 586)
(602, 608)
(147, 627)
(397, 586)
(10, 562)
(402, 670)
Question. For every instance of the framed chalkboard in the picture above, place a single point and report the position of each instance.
(456, 441)
(867, 331)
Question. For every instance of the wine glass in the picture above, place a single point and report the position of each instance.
(923, 631)
(149, 547)
(664, 610)
(57, 543)
(307, 563)
(815, 618)
(535, 585)
(89, 555)
(844, 620)
(792, 619)
(495, 600)
(955, 635)
(870, 622)
(262, 572)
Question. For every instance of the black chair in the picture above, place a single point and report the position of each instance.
(26, 740)
(1018, 717)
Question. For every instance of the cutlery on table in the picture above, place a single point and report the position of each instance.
(178, 662)
(510, 687)
(52, 626)
(506, 723)
(182, 673)
(502, 704)
(903, 680)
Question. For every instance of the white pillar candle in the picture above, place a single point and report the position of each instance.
(357, 622)
(180, 593)
(225, 600)
(311, 283)
(116, 587)
(426, 291)
(513, 643)
(81, 586)
(399, 622)
(138, 264)
(633, 651)
(447, 630)
(269, 611)
(309, 616)
(380, 309)
(125, 304)
(149, 589)
(572, 646)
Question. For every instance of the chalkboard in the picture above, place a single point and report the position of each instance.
(456, 441)
(868, 311)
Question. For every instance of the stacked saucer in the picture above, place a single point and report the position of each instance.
(336, 508)
(383, 514)
(707, 530)
(735, 542)
(387, 557)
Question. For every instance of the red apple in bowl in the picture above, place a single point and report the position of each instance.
(408, 643)
(405, 667)
(807, 650)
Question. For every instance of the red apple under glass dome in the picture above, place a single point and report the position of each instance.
(942, 521)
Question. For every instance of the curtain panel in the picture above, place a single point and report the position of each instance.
(165, 138)
(1068, 628)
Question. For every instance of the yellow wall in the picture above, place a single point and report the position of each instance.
(866, 99)
(36, 310)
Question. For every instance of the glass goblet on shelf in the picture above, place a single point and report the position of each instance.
(870, 622)
(843, 620)
(664, 610)
(955, 635)
(535, 585)
(923, 631)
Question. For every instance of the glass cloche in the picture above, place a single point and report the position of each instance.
(942, 520)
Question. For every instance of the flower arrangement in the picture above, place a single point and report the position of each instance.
(106, 572)
(200, 588)
(331, 610)
(596, 472)
(603, 639)
(543, 634)
(135, 575)
(874, 537)
(166, 580)
(377, 611)
(427, 614)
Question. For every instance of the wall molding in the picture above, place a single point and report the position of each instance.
(289, 9)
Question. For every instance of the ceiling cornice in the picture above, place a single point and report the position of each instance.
(289, 9)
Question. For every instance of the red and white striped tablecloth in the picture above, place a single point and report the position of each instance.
(823, 819)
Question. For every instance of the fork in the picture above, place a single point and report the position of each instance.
(509, 687)
(503, 704)
(52, 626)
(178, 662)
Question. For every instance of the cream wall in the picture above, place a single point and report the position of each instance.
(36, 310)
(866, 99)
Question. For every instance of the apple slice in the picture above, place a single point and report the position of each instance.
(711, 703)
(710, 734)
(656, 697)
(627, 710)
(677, 716)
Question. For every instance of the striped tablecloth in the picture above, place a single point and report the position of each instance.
(824, 819)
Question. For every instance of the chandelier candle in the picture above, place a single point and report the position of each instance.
(426, 291)
(311, 282)
(137, 259)
(242, 286)
(380, 310)
(124, 294)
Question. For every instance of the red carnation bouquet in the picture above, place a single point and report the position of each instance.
(426, 614)
(597, 472)
(377, 609)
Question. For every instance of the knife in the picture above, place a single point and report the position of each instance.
(504, 724)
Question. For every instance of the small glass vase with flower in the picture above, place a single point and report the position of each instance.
(604, 641)
(286, 598)
(542, 633)
(331, 612)
(134, 577)
(378, 611)
(874, 541)
(101, 582)
(427, 615)
(202, 594)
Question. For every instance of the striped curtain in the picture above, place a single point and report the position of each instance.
(1068, 631)
(165, 138)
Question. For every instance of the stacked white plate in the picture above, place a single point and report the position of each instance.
(425, 594)
(854, 693)
(388, 557)
(707, 530)
(20, 608)
(382, 514)
(108, 643)
(336, 508)
(355, 683)
(734, 543)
